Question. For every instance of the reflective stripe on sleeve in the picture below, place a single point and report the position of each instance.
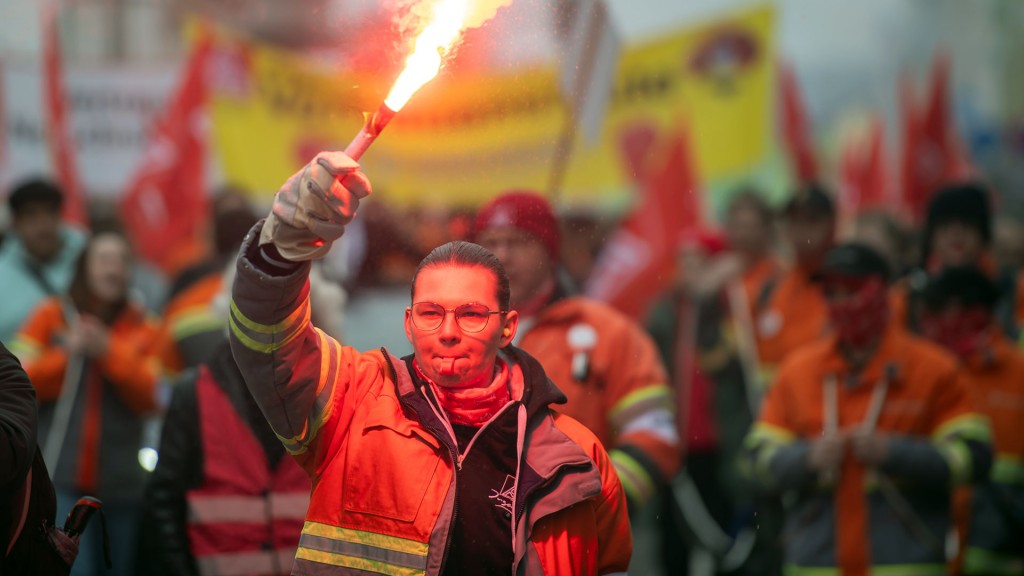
(635, 480)
(26, 349)
(639, 402)
(266, 338)
(320, 412)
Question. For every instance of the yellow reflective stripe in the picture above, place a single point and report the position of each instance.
(971, 426)
(268, 338)
(363, 564)
(958, 458)
(330, 365)
(655, 393)
(296, 316)
(323, 404)
(981, 561)
(766, 439)
(635, 480)
(392, 543)
(192, 321)
(26, 349)
(1008, 469)
(765, 432)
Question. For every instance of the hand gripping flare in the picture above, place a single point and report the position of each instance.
(312, 208)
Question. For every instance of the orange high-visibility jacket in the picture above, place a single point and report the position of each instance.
(994, 515)
(190, 329)
(793, 315)
(384, 475)
(115, 392)
(893, 519)
(618, 388)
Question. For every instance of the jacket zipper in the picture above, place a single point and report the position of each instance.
(452, 451)
(458, 459)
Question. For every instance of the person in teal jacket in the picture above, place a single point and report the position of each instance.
(38, 258)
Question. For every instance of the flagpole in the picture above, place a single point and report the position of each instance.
(567, 136)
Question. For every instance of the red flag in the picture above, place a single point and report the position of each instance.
(864, 178)
(165, 204)
(639, 260)
(59, 137)
(932, 155)
(795, 128)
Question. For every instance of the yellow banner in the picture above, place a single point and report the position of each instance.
(465, 137)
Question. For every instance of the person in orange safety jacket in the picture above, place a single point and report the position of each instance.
(788, 309)
(959, 313)
(448, 461)
(869, 429)
(94, 354)
(604, 362)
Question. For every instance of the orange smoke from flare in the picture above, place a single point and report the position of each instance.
(449, 17)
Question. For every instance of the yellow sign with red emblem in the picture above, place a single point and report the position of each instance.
(465, 137)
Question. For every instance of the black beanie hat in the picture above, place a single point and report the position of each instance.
(965, 285)
(967, 203)
(853, 260)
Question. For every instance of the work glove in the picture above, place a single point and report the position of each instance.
(312, 208)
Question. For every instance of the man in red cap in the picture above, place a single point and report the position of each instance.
(605, 363)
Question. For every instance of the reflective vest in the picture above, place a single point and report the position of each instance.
(245, 518)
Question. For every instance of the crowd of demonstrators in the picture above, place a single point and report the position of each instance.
(604, 362)
(782, 403)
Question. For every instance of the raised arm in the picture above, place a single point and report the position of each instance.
(293, 369)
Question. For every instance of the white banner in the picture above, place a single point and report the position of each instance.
(110, 110)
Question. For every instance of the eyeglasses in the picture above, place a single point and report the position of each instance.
(472, 317)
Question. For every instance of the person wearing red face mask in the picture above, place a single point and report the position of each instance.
(447, 461)
(959, 314)
(869, 428)
(958, 231)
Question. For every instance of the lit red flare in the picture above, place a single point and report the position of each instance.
(448, 17)
(372, 128)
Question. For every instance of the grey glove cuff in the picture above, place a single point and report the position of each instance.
(294, 244)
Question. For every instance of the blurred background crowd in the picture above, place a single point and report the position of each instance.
(701, 160)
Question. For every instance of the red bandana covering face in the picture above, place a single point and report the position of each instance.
(964, 331)
(862, 315)
(473, 406)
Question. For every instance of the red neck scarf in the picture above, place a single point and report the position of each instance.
(475, 405)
